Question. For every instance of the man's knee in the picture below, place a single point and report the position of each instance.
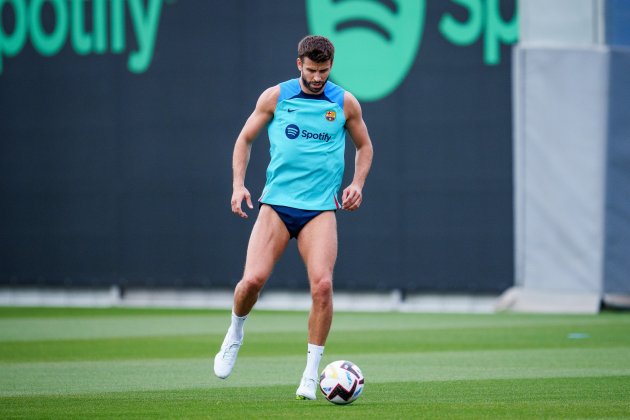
(252, 283)
(321, 289)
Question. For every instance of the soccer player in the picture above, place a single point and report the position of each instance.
(307, 119)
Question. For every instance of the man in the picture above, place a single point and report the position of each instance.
(307, 119)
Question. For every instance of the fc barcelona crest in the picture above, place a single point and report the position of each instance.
(331, 115)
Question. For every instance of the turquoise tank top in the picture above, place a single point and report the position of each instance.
(307, 139)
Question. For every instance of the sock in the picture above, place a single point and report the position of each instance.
(236, 328)
(313, 358)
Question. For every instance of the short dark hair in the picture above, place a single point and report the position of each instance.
(317, 48)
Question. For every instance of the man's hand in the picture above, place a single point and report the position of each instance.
(238, 196)
(351, 198)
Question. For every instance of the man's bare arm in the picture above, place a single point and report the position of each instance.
(353, 194)
(263, 113)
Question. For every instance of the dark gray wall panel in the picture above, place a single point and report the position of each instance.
(107, 176)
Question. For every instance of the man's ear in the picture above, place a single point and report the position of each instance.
(299, 64)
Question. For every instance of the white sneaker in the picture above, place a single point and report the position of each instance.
(226, 358)
(307, 389)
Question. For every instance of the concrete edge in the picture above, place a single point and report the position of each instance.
(393, 301)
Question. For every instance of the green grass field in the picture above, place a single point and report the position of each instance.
(131, 363)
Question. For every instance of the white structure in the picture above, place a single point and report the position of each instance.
(571, 156)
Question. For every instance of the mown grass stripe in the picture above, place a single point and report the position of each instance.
(144, 324)
(95, 377)
(597, 397)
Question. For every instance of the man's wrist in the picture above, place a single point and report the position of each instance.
(358, 184)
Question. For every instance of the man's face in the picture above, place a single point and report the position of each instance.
(314, 74)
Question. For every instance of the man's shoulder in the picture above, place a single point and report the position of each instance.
(335, 93)
(350, 98)
(269, 98)
(352, 107)
(271, 91)
(333, 87)
(288, 89)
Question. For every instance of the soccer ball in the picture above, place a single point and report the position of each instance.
(341, 382)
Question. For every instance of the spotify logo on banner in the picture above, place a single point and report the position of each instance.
(107, 30)
(376, 41)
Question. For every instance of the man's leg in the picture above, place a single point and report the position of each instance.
(267, 242)
(317, 243)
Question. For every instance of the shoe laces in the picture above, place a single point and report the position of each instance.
(309, 383)
(229, 352)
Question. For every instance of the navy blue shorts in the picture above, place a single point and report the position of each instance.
(294, 219)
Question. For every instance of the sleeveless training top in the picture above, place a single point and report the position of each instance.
(307, 137)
